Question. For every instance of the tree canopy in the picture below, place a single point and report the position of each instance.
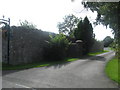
(68, 25)
(108, 15)
(84, 32)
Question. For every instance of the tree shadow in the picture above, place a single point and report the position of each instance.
(6, 72)
(87, 57)
(98, 58)
(10, 71)
(55, 65)
(90, 57)
(59, 65)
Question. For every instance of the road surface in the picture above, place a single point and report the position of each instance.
(84, 73)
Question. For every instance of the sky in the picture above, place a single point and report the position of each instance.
(46, 14)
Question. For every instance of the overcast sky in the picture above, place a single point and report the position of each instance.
(47, 13)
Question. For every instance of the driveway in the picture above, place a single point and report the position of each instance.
(84, 73)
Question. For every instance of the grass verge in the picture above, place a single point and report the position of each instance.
(34, 65)
(111, 69)
(96, 53)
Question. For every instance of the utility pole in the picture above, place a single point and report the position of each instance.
(8, 51)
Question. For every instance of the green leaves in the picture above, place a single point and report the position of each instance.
(57, 47)
(108, 14)
(84, 32)
(68, 25)
(59, 40)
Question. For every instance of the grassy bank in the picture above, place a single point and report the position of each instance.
(112, 69)
(34, 65)
(96, 53)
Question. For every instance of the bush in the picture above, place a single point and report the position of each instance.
(56, 48)
(107, 41)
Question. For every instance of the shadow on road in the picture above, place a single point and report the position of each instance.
(5, 72)
(99, 58)
(87, 59)
(59, 65)
(62, 64)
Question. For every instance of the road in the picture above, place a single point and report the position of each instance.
(84, 73)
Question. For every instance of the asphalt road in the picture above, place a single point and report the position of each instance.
(84, 73)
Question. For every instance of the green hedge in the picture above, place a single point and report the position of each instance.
(56, 48)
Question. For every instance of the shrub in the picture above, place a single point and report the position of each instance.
(56, 48)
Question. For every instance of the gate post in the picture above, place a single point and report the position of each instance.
(7, 27)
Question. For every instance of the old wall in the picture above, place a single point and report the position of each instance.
(26, 45)
(75, 50)
(97, 46)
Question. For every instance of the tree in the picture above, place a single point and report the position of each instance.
(107, 41)
(67, 27)
(27, 24)
(78, 30)
(84, 32)
(108, 14)
(105, 11)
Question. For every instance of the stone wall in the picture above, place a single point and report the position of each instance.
(26, 45)
(97, 46)
(75, 49)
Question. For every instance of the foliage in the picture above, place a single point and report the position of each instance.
(59, 40)
(105, 11)
(67, 27)
(27, 25)
(78, 30)
(56, 48)
(84, 32)
(107, 41)
(108, 14)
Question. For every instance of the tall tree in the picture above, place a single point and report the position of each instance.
(68, 25)
(108, 14)
(78, 30)
(84, 32)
